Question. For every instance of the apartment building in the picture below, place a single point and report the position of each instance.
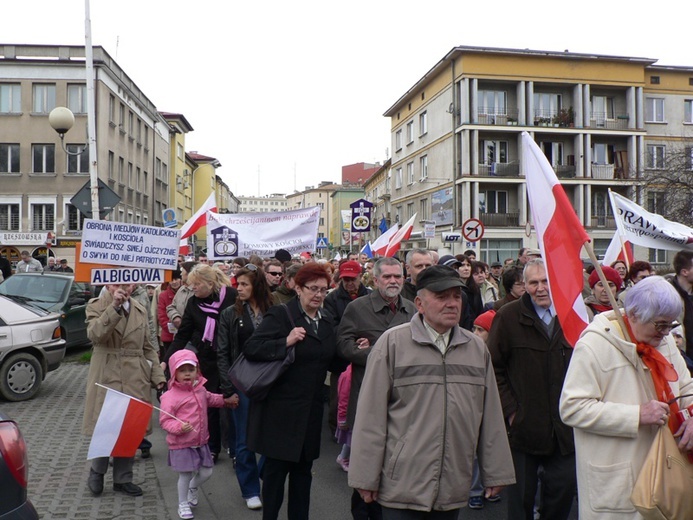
(38, 178)
(602, 122)
(273, 202)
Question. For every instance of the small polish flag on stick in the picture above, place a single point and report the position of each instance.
(121, 425)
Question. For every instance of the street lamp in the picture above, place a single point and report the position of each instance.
(62, 120)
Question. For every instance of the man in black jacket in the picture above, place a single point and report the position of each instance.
(530, 358)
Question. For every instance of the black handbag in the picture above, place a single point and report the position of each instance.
(255, 378)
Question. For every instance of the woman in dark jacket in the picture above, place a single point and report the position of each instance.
(236, 325)
(286, 425)
(212, 294)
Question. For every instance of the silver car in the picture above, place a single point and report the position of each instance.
(31, 345)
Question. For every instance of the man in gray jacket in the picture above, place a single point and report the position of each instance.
(428, 399)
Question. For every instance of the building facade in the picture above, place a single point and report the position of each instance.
(273, 202)
(598, 119)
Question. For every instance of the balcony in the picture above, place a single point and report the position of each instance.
(602, 171)
(605, 121)
(500, 219)
(511, 169)
(602, 221)
(494, 116)
(564, 171)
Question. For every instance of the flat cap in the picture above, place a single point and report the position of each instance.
(438, 278)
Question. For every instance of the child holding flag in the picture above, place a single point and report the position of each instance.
(185, 419)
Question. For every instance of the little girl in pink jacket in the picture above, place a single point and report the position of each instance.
(185, 419)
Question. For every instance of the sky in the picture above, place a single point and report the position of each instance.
(284, 94)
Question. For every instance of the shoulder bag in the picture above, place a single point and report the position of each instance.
(663, 489)
(255, 378)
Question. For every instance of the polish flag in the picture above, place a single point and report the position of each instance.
(121, 426)
(561, 237)
(618, 251)
(199, 219)
(403, 234)
(379, 247)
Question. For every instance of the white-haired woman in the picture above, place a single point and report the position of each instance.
(616, 396)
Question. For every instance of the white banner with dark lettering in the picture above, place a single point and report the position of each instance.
(646, 229)
(129, 245)
(262, 234)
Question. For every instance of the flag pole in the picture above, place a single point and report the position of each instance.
(605, 283)
(618, 230)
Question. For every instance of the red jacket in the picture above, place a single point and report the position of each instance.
(165, 299)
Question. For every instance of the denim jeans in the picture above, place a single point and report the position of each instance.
(246, 462)
(477, 489)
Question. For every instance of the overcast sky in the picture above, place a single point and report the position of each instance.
(295, 90)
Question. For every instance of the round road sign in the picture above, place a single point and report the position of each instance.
(473, 229)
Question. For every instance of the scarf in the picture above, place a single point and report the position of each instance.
(598, 308)
(212, 312)
(662, 372)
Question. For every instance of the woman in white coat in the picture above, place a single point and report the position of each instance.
(609, 397)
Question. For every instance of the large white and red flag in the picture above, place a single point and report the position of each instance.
(199, 219)
(561, 237)
(619, 249)
(121, 426)
(379, 247)
(403, 234)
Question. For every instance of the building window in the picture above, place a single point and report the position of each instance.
(111, 165)
(77, 98)
(181, 151)
(138, 179)
(146, 136)
(656, 155)
(131, 217)
(654, 110)
(493, 102)
(75, 218)
(121, 168)
(423, 123)
(77, 163)
(130, 178)
(410, 173)
(398, 178)
(492, 152)
(322, 222)
(9, 158)
(603, 153)
(546, 106)
(423, 209)
(9, 217)
(654, 80)
(493, 201)
(493, 250)
(145, 179)
(44, 98)
(10, 98)
(410, 210)
(121, 117)
(321, 205)
(111, 108)
(131, 124)
(423, 164)
(688, 111)
(42, 217)
(398, 140)
(602, 110)
(43, 158)
(410, 132)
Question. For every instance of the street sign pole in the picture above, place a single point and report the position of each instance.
(91, 113)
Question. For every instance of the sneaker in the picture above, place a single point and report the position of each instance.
(344, 463)
(476, 503)
(192, 496)
(253, 503)
(493, 498)
(184, 510)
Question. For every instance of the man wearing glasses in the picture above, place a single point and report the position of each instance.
(273, 273)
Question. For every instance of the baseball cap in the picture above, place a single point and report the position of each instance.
(438, 278)
(449, 261)
(533, 252)
(496, 264)
(63, 260)
(350, 269)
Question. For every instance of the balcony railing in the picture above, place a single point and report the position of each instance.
(602, 221)
(564, 171)
(609, 121)
(500, 219)
(495, 116)
(511, 169)
(602, 171)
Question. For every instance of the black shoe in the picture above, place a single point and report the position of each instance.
(129, 489)
(95, 482)
(145, 453)
(215, 457)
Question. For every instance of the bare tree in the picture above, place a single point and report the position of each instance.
(669, 183)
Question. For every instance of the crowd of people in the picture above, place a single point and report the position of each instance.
(449, 380)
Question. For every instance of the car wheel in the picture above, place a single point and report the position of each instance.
(20, 377)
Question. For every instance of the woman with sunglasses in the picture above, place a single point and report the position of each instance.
(285, 427)
(236, 325)
(620, 388)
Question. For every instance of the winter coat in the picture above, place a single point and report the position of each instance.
(288, 422)
(232, 333)
(165, 299)
(188, 403)
(337, 300)
(122, 356)
(423, 416)
(176, 308)
(282, 295)
(530, 367)
(343, 390)
(605, 385)
(367, 317)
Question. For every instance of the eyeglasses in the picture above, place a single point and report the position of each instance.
(316, 290)
(663, 327)
(274, 273)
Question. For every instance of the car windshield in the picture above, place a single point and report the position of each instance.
(36, 289)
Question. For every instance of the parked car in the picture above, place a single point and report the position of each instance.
(14, 470)
(31, 345)
(54, 292)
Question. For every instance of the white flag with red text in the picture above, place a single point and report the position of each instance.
(561, 237)
(199, 219)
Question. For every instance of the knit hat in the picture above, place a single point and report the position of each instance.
(611, 275)
(485, 319)
(282, 255)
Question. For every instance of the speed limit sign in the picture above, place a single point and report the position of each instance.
(473, 229)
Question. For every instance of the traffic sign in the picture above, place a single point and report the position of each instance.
(473, 229)
(322, 243)
(108, 199)
(169, 216)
